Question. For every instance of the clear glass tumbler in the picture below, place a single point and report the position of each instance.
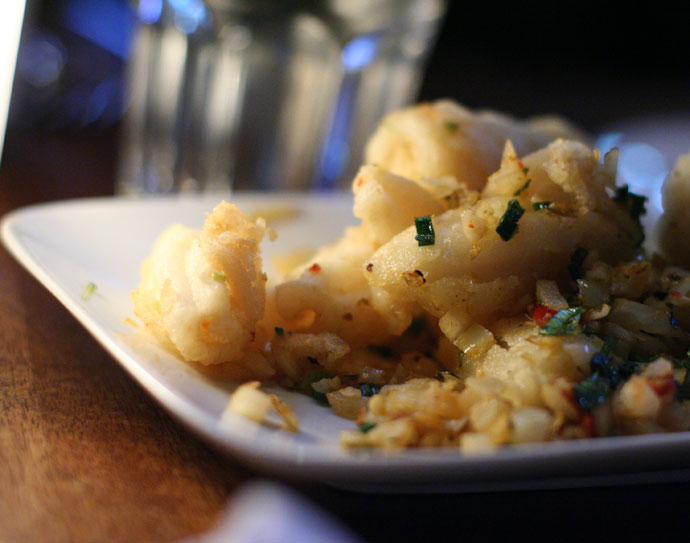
(265, 94)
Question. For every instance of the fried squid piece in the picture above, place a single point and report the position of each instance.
(445, 139)
(330, 293)
(388, 203)
(527, 224)
(674, 228)
(202, 292)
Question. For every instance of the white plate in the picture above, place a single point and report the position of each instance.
(66, 245)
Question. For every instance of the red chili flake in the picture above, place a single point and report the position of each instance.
(205, 325)
(370, 267)
(359, 182)
(663, 386)
(471, 225)
(542, 314)
(315, 268)
(253, 335)
(675, 294)
(588, 425)
(522, 166)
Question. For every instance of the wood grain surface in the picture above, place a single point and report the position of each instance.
(85, 454)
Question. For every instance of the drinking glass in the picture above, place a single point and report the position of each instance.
(265, 94)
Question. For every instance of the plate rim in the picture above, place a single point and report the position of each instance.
(419, 469)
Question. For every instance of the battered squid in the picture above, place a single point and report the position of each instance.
(472, 269)
(203, 292)
(443, 138)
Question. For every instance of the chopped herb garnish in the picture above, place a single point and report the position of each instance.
(279, 331)
(425, 231)
(523, 187)
(461, 358)
(636, 202)
(537, 206)
(89, 291)
(602, 364)
(576, 261)
(217, 276)
(621, 194)
(369, 389)
(319, 396)
(683, 389)
(605, 377)
(364, 427)
(451, 126)
(563, 322)
(509, 222)
(637, 207)
(592, 392)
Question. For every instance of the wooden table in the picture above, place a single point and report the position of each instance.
(86, 455)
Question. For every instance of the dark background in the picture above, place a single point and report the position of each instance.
(593, 62)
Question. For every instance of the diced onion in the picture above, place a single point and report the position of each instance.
(470, 337)
(639, 317)
(549, 295)
(594, 293)
(347, 402)
(250, 402)
(475, 443)
(530, 424)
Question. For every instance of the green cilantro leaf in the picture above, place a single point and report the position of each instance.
(592, 392)
(523, 187)
(369, 389)
(509, 221)
(364, 427)
(537, 206)
(563, 322)
(425, 231)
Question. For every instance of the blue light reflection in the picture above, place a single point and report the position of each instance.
(641, 166)
(149, 11)
(107, 23)
(189, 14)
(360, 52)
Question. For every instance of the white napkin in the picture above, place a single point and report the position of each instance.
(265, 512)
